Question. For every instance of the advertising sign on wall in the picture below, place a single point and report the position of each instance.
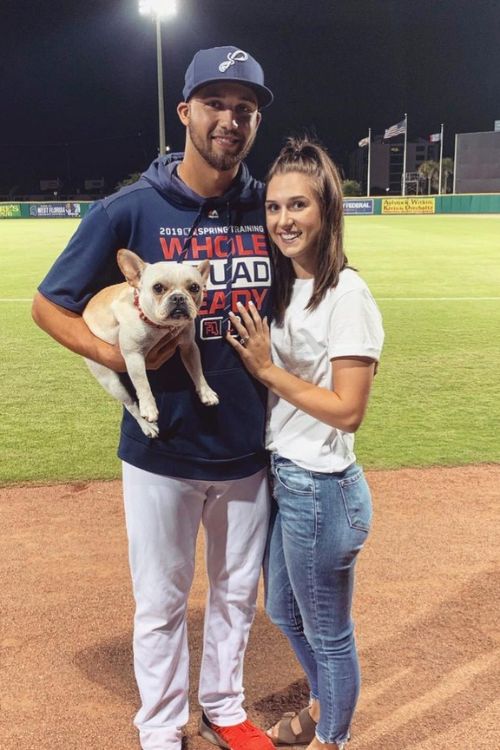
(358, 206)
(54, 210)
(409, 205)
(10, 210)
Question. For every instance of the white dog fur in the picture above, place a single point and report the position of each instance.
(158, 300)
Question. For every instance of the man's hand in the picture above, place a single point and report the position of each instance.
(161, 352)
(110, 354)
(70, 330)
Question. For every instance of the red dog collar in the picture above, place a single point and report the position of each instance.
(143, 316)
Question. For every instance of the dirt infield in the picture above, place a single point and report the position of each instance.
(426, 613)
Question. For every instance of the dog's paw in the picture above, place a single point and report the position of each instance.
(208, 396)
(149, 410)
(150, 429)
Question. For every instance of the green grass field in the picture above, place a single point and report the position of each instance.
(435, 399)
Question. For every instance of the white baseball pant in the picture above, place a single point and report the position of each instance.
(163, 515)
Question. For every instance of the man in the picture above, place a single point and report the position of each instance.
(208, 463)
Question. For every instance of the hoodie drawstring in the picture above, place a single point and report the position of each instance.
(187, 241)
(228, 268)
(228, 274)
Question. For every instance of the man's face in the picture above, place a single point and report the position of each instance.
(222, 121)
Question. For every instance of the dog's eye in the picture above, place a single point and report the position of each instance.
(158, 288)
(194, 288)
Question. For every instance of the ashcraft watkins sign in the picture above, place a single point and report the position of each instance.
(413, 205)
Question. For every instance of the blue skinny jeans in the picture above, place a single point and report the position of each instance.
(319, 524)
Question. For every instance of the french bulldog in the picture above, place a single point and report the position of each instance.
(157, 300)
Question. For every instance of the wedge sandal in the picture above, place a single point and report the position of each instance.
(286, 736)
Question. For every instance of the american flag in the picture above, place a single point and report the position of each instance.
(435, 137)
(394, 130)
(363, 142)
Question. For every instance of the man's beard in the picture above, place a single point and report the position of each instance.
(220, 162)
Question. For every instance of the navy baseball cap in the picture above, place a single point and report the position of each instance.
(226, 64)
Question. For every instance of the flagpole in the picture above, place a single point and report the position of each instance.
(368, 180)
(404, 156)
(441, 158)
(455, 165)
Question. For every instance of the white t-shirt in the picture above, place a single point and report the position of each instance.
(346, 323)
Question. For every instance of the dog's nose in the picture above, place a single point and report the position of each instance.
(178, 299)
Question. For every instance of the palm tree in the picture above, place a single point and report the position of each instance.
(430, 171)
(448, 167)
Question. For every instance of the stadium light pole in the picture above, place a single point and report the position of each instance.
(159, 10)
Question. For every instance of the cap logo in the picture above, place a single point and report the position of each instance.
(233, 57)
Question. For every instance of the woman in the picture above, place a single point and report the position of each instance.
(326, 340)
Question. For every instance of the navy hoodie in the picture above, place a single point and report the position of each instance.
(160, 218)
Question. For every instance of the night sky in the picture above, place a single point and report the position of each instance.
(78, 79)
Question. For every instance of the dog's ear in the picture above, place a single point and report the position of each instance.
(131, 266)
(204, 269)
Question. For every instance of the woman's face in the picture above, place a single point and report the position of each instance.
(293, 217)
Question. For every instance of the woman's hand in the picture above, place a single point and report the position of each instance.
(343, 406)
(254, 344)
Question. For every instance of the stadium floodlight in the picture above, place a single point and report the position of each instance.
(158, 10)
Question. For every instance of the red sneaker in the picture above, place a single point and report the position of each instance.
(244, 736)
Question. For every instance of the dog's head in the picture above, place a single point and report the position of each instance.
(169, 293)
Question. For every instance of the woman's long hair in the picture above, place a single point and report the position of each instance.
(311, 159)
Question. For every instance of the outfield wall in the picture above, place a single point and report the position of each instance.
(422, 204)
(477, 203)
(44, 210)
